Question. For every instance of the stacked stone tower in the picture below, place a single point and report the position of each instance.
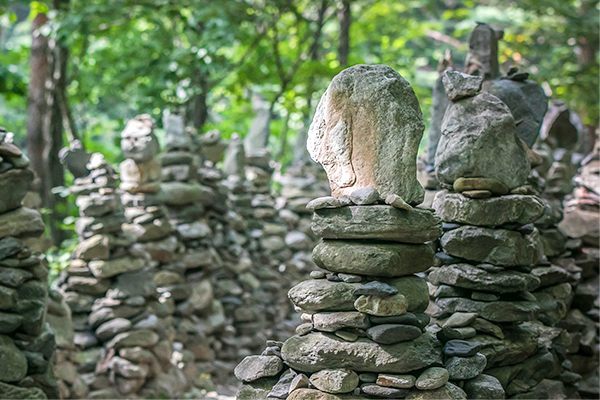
(489, 246)
(123, 344)
(364, 334)
(26, 341)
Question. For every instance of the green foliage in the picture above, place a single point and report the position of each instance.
(137, 57)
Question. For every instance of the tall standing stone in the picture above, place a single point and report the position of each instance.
(364, 332)
(366, 132)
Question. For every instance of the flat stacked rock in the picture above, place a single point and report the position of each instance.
(27, 343)
(364, 332)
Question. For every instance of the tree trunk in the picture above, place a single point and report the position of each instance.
(301, 156)
(199, 108)
(344, 15)
(36, 98)
(54, 142)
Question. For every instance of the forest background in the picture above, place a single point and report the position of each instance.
(79, 69)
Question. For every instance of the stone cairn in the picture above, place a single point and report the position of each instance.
(197, 208)
(122, 347)
(364, 334)
(490, 249)
(26, 341)
(301, 183)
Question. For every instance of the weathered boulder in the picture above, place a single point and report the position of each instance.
(470, 277)
(22, 222)
(494, 211)
(497, 311)
(374, 259)
(14, 185)
(321, 294)
(479, 140)
(380, 222)
(317, 351)
(254, 367)
(366, 132)
(494, 246)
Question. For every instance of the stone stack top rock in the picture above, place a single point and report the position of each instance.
(458, 85)
(138, 140)
(366, 132)
(478, 139)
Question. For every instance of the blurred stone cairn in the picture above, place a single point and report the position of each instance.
(197, 208)
(262, 234)
(301, 183)
(364, 328)
(493, 257)
(26, 341)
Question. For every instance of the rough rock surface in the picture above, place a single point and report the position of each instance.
(317, 351)
(350, 133)
(495, 246)
(479, 140)
(376, 222)
(495, 211)
(386, 260)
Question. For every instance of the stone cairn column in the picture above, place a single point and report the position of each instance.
(197, 208)
(147, 223)
(119, 339)
(26, 342)
(489, 248)
(582, 211)
(364, 334)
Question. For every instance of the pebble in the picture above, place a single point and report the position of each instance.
(385, 392)
(368, 377)
(461, 368)
(396, 381)
(383, 307)
(459, 319)
(317, 274)
(347, 336)
(349, 278)
(299, 381)
(448, 226)
(333, 278)
(468, 184)
(303, 329)
(432, 378)
(364, 196)
(396, 201)
(335, 380)
(323, 202)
